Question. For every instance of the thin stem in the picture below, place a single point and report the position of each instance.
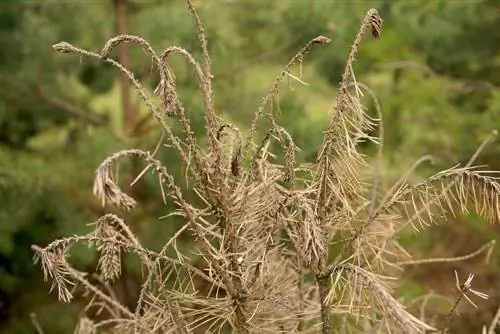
(450, 314)
(487, 247)
(65, 47)
(480, 149)
(240, 324)
(494, 322)
(36, 323)
(300, 269)
(298, 58)
(324, 290)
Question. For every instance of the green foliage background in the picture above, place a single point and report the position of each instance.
(436, 72)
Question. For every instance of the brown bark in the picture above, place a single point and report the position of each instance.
(126, 286)
(128, 111)
(324, 289)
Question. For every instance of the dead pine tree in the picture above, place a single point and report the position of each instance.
(265, 231)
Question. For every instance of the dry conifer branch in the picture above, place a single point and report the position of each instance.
(338, 141)
(445, 190)
(54, 249)
(488, 248)
(55, 266)
(103, 181)
(151, 272)
(377, 173)
(166, 85)
(387, 201)
(298, 58)
(200, 76)
(117, 40)
(203, 41)
(371, 20)
(463, 289)
(211, 124)
(65, 47)
(392, 308)
(338, 181)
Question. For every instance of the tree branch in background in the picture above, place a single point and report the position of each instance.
(60, 104)
(458, 85)
(71, 109)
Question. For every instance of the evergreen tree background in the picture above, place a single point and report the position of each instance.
(436, 72)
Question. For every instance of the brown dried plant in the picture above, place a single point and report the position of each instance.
(286, 248)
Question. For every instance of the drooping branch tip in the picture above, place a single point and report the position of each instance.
(375, 22)
(321, 40)
(63, 47)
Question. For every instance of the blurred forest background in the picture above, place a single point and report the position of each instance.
(435, 70)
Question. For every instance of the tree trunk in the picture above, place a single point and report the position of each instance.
(126, 286)
(129, 116)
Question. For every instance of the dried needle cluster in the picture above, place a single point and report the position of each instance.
(285, 248)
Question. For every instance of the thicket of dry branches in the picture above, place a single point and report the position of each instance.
(289, 247)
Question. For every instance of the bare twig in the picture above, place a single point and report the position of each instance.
(494, 322)
(35, 323)
(488, 248)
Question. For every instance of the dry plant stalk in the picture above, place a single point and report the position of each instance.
(263, 230)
